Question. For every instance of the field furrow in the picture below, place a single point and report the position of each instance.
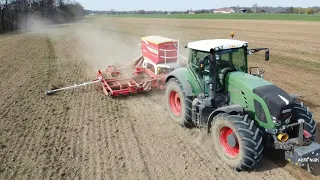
(83, 134)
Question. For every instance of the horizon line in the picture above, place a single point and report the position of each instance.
(113, 9)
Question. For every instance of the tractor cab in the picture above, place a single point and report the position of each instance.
(219, 55)
(222, 55)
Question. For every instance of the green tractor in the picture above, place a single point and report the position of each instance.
(242, 112)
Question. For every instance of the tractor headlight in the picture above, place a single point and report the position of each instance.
(274, 119)
(216, 49)
(245, 45)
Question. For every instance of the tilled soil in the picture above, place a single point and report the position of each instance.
(82, 134)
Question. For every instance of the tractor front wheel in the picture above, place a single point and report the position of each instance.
(300, 111)
(237, 141)
(178, 104)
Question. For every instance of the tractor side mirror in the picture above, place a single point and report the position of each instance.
(267, 55)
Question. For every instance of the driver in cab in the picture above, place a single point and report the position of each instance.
(205, 66)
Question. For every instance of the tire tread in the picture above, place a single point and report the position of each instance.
(303, 112)
(188, 103)
(251, 139)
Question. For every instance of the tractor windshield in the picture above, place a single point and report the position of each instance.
(232, 58)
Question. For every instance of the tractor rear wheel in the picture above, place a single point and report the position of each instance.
(237, 141)
(300, 111)
(178, 104)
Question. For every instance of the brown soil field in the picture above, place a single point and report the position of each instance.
(83, 134)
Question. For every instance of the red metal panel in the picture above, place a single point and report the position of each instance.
(160, 53)
(168, 52)
(150, 51)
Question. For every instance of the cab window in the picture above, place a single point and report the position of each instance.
(193, 61)
(238, 59)
(232, 58)
(195, 58)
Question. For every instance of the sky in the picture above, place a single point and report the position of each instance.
(170, 5)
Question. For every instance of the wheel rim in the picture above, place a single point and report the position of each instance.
(229, 142)
(175, 104)
(306, 134)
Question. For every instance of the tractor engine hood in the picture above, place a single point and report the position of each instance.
(280, 103)
(277, 100)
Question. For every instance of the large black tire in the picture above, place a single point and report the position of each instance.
(300, 111)
(237, 141)
(176, 97)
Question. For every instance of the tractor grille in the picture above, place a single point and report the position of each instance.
(260, 111)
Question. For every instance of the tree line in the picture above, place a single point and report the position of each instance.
(254, 9)
(280, 10)
(15, 14)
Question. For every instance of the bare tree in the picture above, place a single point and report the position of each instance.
(63, 10)
(25, 5)
(3, 8)
(17, 8)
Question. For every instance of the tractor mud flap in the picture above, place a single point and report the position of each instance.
(306, 157)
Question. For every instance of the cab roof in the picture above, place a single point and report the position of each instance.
(157, 39)
(207, 45)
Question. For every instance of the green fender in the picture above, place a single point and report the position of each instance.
(186, 80)
(226, 109)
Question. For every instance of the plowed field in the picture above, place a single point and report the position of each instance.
(82, 134)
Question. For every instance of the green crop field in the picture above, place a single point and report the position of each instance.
(300, 17)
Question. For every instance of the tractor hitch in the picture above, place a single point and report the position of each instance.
(301, 151)
(283, 141)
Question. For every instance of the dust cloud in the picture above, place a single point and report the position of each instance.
(101, 43)
(94, 42)
(34, 24)
(101, 48)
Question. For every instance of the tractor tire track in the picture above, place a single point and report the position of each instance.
(140, 150)
(100, 143)
(86, 173)
(104, 141)
(131, 160)
(117, 151)
(109, 142)
(96, 163)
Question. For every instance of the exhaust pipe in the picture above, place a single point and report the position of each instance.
(283, 137)
(212, 75)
